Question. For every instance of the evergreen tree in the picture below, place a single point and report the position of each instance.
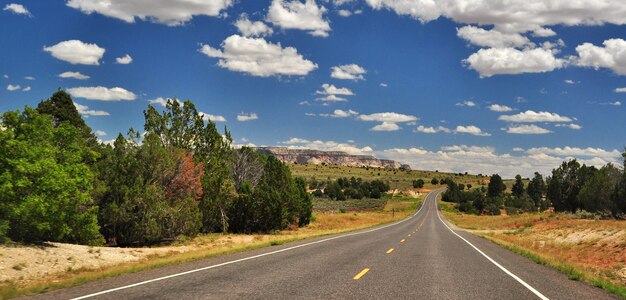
(496, 186)
(536, 190)
(518, 186)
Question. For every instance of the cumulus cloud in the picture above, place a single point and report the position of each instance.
(386, 126)
(491, 38)
(75, 75)
(350, 148)
(330, 89)
(163, 101)
(390, 117)
(243, 117)
(12, 88)
(500, 108)
(570, 126)
(100, 133)
(76, 52)
(466, 103)
(527, 129)
(168, 12)
(26, 88)
(351, 72)
(29, 78)
(212, 118)
(496, 61)
(344, 13)
(258, 57)
(293, 14)
(252, 29)
(612, 56)
(430, 130)
(383, 84)
(512, 16)
(102, 93)
(530, 116)
(17, 9)
(616, 103)
(471, 129)
(124, 60)
(333, 98)
(567, 152)
(338, 113)
(85, 111)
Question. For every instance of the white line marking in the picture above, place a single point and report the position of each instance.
(528, 286)
(247, 258)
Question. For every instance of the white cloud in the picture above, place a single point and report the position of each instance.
(491, 38)
(17, 9)
(570, 126)
(527, 129)
(466, 103)
(518, 149)
(620, 90)
(616, 103)
(386, 126)
(496, 61)
(383, 84)
(569, 81)
(293, 14)
(333, 98)
(338, 113)
(388, 117)
(12, 88)
(75, 75)
(543, 32)
(210, 117)
(350, 148)
(163, 101)
(430, 130)
(168, 12)
(499, 108)
(85, 111)
(471, 129)
(243, 117)
(29, 78)
(258, 57)
(100, 133)
(530, 116)
(102, 93)
(252, 29)
(344, 13)
(330, 89)
(512, 15)
(76, 52)
(5, 76)
(26, 88)
(124, 60)
(576, 152)
(351, 72)
(612, 56)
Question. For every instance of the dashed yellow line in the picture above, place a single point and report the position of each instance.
(390, 250)
(409, 234)
(402, 241)
(358, 276)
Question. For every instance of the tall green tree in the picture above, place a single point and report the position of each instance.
(518, 186)
(496, 186)
(45, 184)
(536, 191)
(597, 193)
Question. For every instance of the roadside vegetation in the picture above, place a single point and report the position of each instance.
(573, 221)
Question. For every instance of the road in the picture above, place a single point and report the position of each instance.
(420, 257)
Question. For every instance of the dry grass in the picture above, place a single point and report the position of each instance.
(80, 264)
(590, 250)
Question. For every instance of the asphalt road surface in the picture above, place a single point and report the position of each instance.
(418, 258)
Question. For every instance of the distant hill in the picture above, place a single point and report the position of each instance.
(317, 157)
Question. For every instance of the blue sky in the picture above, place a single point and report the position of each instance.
(462, 85)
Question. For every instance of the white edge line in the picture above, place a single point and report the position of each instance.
(250, 257)
(528, 286)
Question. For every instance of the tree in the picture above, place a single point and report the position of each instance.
(496, 186)
(518, 186)
(536, 190)
(418, 184)
(246, 166)
(597, 193)
(45, 184)
(565, 184)
(434, 181)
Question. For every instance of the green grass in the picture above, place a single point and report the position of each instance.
(325, 204)
(398, 179)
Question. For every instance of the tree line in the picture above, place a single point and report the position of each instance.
(344, 188)
(181, 177)
(571, 187)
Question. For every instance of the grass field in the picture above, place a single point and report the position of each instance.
(588, 250)
(398, 179)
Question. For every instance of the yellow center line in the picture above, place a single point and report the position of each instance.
(409, 234)
(390, 250)
(358, 276)
(402, 241)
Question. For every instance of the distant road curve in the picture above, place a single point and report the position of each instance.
(420, 257)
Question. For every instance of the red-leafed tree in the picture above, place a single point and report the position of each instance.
(186, 179)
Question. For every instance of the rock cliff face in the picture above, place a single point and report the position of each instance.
(316, 157)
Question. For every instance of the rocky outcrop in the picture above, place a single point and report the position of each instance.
(316, 157)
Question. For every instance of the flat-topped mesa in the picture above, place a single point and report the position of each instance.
(317, 157)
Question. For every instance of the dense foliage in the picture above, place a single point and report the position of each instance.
(353, 188)
(180, 177)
